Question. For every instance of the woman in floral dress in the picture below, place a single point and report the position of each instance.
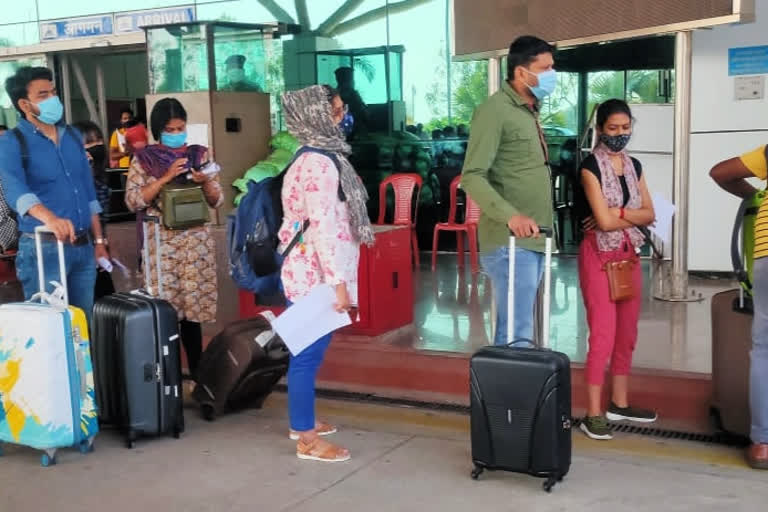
(188, 257)
(321, 187)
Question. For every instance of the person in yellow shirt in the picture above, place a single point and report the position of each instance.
(118, 150)
(731, 175)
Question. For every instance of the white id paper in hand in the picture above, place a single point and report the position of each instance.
(665, 212)
(309, 319)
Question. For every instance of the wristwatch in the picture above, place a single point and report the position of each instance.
(101, 241)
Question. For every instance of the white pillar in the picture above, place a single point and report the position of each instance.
(66, 81)
(101, 93)
(683, 64)
(494, 75)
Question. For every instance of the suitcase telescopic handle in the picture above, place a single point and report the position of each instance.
(544, 230)
(147, 272)
(39, 230)
(548, 233)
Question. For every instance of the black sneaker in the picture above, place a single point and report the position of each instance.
(630, 413)
(596, 428)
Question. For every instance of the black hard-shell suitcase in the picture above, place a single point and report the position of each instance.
(520, 400)
(240, 367)
(137, 362)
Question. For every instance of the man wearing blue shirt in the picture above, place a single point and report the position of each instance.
(47, 180)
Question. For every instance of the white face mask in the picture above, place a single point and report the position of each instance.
(236, 75)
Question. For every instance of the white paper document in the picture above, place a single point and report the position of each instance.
(665, 211)
(309, 319)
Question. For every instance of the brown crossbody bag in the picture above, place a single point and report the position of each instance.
(620, 281)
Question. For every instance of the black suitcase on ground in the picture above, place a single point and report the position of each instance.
(520, 401)
(240, 367)
(137, 363)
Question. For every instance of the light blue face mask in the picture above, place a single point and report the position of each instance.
(51, 110)
(547, 83)
(173, 140)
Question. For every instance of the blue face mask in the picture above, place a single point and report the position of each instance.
(51, 110)
(347, 124)
(547, 83)
(173, 140)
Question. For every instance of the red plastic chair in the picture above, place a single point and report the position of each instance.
(469, 226)
(403, 185)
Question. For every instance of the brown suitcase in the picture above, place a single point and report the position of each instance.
(240, 367)
(731, 344)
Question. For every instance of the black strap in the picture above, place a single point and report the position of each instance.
(23, 148)
(295, 239)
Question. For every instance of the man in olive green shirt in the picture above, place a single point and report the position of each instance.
(507, 174)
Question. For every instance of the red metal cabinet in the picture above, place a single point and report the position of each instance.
(385, 285)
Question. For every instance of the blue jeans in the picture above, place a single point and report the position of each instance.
(80, 267)
(529, 267)
(302, 371)
(758, 386)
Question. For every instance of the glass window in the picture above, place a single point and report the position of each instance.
(650, 86)
(178, 59)
(8, 114)
(422, 32)
(328, 64)
(240, 59)
(604, 85)
(469, 88)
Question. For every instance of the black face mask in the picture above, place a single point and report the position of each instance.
(615, 143)
(99, 155)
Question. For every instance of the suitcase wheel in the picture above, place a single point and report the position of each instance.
(550, 482)
(48, 459)
(130, 440)
(86, 446)
(176, 432)
(477, 472)
(208, 412)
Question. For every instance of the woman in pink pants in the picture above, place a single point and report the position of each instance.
(617, 202)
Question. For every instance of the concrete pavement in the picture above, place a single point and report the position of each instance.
(404, 459)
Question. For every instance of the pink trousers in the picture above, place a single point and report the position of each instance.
(612, 325)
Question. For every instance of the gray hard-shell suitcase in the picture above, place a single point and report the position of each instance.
(137, 360)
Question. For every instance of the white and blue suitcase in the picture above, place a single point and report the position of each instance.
(47, 399)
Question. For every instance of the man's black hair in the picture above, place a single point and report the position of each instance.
(126, 110)
(17, 85)
(523, 51)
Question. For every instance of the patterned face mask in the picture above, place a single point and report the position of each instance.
(615, 143)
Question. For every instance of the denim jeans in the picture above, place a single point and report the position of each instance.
(302, 371)
(529, 267)
(758, 386)
(80, 267)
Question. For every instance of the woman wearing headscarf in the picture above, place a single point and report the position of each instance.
(188, 255)
(321, 187)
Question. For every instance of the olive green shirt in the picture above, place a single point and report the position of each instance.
(505, 170)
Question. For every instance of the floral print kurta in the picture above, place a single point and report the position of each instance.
(188, 257)
(328, 253)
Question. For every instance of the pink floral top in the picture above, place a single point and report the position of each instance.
(328, 253)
